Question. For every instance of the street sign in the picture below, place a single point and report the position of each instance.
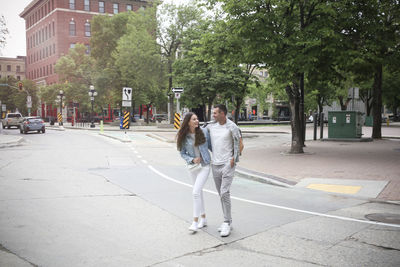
(126, 94)
(126, 103)
(177, 90)
(177, 95)
(3, 107)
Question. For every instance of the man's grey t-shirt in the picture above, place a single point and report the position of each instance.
(222, 143)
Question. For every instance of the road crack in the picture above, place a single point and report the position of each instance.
(2, 248)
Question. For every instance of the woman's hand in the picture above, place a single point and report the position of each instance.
(196, 160)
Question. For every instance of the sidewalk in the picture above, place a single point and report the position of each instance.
(337, 167)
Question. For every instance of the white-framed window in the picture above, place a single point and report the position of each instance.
(86, 5)
(101, 7)
(87, 29)
(71, 4)
(128, 7)
(72, 45)
(72, 28)
(115, 8)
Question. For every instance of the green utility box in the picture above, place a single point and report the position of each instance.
(369, 121)
(344, 124)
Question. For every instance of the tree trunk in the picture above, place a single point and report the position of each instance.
(147, 113)
(237, 109)
(209, 109)
(377, 103)
(171, 94)
(301, 110)
(293, 93)
(343, 105)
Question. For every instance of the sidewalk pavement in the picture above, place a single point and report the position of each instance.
(359, 169)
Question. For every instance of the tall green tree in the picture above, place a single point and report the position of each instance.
(173, 24)
(373, 27)
(138, 58)
(3, 32)
(75, 71)
(286, 35)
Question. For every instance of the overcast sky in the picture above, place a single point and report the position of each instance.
(16, 44)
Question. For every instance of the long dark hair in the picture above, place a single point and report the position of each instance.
(184, 130)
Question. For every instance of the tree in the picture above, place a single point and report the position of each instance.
(106, 33)
(138, 58)
(3, 31)
(286, 35)
(174, 22)
(373, 27)
(75, 72)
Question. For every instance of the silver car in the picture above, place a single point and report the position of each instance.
(32, 124)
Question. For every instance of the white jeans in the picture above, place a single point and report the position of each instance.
(199, 178)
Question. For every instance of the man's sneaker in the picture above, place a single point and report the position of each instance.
(202, 223)
(219, 228)
(193, 228)
(225, 230)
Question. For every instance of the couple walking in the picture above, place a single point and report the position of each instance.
(221, 137)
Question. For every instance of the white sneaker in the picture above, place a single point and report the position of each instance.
(202, 223)
(193, 228)
(220, 227)
(225, 229)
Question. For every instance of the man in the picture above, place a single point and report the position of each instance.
(224, 135)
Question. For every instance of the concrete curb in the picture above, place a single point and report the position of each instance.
(263, 178)
(17, 142)
(160, 138)
(123, 140)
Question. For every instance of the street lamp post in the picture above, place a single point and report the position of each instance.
(60, 98)
(92, 94)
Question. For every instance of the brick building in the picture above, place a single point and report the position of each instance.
(12, 67)
(54, 26)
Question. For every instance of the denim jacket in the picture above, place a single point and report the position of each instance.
(187, 152)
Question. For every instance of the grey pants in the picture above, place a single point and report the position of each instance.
(223, 177)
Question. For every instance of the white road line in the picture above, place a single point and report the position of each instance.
(277, 206)
(139, 156)
(135, 152)
(144, 161)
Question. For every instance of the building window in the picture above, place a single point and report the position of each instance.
(115, 8)
(87, 29)
(54, 29)
(51, 69)
(71, 45)
(101, 7)
(87, 49)
(54, 48)
(49, 30)
(47, 51)
(71, 4)
(86, 5)
(18, 68)
(8, 67)
(72, 31)
(45, 33)
(128, 7)
(18, 78)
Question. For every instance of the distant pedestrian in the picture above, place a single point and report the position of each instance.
(225, 139)
(193, 142)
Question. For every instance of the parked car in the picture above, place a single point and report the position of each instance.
(12, 119)
(32, 124)
(159, 117)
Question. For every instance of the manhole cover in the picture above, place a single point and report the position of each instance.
(384, 217)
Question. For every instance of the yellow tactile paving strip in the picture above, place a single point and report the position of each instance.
(333, 188)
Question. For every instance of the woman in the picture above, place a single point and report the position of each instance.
(192, 142)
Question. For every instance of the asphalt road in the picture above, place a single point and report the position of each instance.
(75, 198)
